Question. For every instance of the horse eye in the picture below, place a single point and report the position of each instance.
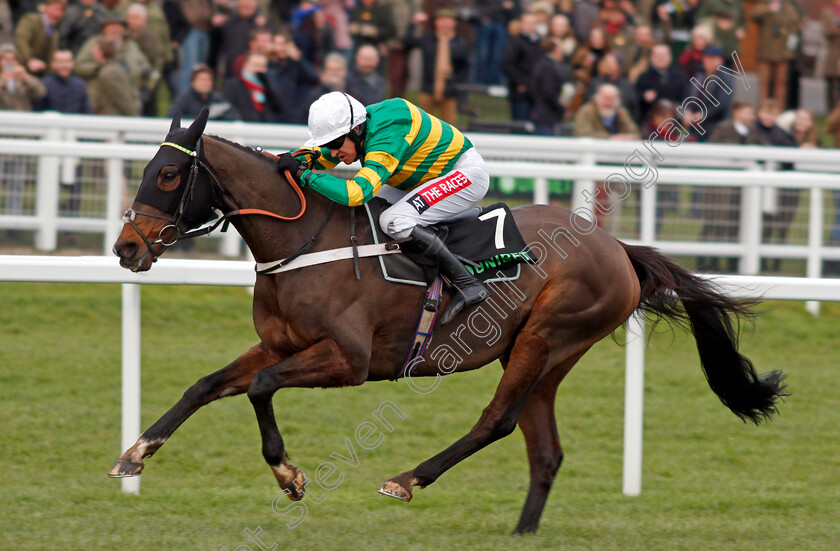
(169, 178)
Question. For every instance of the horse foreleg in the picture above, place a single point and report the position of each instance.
(527, 359)
(545, 454)
(323, 365)
(228, 381)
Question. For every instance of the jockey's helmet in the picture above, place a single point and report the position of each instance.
(334, 115)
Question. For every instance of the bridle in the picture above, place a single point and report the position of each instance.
(175, 220)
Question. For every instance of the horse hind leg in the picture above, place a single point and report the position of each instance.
(528, 357)
(545, 453)
(230, 380)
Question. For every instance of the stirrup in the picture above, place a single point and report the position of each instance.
(460, 301)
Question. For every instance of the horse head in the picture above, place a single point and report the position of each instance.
(174, 197)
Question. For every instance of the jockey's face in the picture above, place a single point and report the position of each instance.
(346, 153)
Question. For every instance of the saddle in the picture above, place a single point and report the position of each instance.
(486, 240)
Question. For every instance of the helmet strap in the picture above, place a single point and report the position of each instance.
(357, 137)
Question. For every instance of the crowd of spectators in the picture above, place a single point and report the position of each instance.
(266, 60)
(617, 69)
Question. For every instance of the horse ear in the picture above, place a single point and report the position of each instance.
(176, 121)
(197, 127)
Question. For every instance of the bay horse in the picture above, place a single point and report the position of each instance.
(320, 326)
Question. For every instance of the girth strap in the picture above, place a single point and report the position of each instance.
(323, 257)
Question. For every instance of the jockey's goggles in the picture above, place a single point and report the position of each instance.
(336, 143)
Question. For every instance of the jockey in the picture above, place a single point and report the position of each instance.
(430, 171)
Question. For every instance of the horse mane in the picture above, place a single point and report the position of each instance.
(245, 149)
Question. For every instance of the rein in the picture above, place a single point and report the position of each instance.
(174, 221)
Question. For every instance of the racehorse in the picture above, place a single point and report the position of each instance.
(320, 326)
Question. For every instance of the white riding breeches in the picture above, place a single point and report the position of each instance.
(438, 199)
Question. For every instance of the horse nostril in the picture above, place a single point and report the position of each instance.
(125, 250)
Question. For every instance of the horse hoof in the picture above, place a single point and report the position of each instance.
(125, 469)
(392, 488)
(291, 480)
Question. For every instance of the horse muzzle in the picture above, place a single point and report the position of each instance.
(133, 255)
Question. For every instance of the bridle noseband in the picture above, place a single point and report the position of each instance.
(176, 219)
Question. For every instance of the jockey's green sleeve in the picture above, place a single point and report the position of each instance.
(404, 147)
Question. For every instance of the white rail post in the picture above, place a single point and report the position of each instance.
(751, 227)
(815, 229)
(231, 244)
(130, 376)
(634, 392)
(540, 191)
(46, 203)
(114, 201)
(578, 197)
(647, 215)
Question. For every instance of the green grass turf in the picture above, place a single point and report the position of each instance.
(710, 482)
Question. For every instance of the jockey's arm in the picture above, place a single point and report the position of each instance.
(377, 167)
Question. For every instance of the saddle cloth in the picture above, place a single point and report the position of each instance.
(487, 237)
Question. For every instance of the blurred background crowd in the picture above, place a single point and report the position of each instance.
(607, 68)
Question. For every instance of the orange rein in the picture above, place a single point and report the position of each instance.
(295, 187)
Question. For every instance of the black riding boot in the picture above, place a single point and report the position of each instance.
(470, 290)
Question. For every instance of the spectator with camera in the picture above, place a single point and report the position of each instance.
(290, 77)
(18, 88)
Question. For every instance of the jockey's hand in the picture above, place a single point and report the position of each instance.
(307, 156)
(287, 161)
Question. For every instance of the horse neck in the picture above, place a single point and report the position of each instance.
(252, 182)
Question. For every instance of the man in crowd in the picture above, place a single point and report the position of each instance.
(333, 79)
(519, 58)
(129, 55)
(290, 77)
(66, 93)
(111, 90)
(36, 36)
(232, 33)
(82, 20)
(200, 95)
(446, 61)
(364, 82)
(605, 117)
(718, 86)
(662, 81)
(551, 74)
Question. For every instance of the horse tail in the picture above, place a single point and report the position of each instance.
(713, 318)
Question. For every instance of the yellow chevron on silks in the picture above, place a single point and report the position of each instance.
(407, 147)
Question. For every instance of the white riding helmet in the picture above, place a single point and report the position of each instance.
(330, 118)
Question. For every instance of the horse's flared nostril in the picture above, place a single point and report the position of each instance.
(125, 250)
